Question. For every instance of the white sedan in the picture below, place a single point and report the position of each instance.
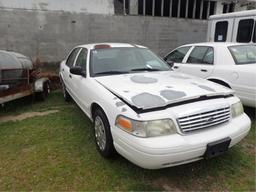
(151, 115)
(230, 64)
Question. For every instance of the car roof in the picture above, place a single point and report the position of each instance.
(215, 44)
(92, 45)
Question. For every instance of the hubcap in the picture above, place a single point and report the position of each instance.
(100, 133)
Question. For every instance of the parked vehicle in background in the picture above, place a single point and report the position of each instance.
(153, 116)
(232, 27)
(19, 78)
(230, 64)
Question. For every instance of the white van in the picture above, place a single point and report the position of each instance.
(232, 27)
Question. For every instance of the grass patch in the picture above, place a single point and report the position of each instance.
(57, 152)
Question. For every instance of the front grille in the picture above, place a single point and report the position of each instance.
(204, 120)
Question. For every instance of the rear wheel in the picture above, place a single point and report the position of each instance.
(103, 137)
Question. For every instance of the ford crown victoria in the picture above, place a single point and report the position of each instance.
(141, 108)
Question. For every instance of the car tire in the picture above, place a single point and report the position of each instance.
(102, 134)
(66, 95)
(41, 96)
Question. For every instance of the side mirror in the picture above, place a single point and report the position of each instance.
(170, 63)
(77, 70)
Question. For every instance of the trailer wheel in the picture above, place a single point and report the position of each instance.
(41, 96)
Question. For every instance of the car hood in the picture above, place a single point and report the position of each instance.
(157, 89)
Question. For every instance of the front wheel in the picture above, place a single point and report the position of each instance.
(103, 137)
(66, 95)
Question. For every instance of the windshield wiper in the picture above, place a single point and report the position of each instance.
(145, 69)
(111, 72)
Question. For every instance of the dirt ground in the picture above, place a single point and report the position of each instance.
(25, 116)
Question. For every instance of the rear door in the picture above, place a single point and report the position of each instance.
(199, 62)
(80, 82)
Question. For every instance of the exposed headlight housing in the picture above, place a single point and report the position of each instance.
(237, 109)
(152, 128)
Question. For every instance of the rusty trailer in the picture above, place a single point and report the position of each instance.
(21, 80)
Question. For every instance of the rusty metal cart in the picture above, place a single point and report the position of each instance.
(20, 78)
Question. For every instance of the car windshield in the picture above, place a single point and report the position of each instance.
(244, 54)
(122, 60)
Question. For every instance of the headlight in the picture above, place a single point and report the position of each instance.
(146, 128)
(237, 109)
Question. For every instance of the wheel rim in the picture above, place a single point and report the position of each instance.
(100, 133)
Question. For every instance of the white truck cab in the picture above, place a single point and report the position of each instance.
(232, 27)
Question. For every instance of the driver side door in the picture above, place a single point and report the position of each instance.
(80, 82)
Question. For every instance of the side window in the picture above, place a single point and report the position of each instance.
(254, 34)
(221, 29)
(202, 55)
(72, 57)
(209, 56)
(177, 55)
(81, 59)
(244, 31)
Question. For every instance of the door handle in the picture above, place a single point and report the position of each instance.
(203, 70)
(70, 76)
(175, 67)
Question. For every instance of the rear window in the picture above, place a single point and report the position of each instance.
(221, 29)
(243, 54)
(244, 32)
